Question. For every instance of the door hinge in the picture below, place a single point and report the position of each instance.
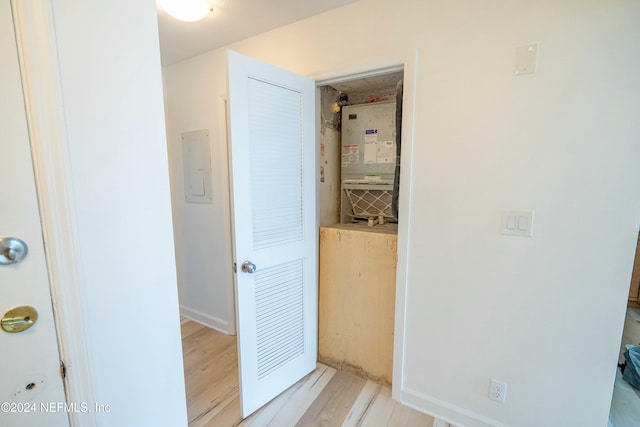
(63, 370)
(235, 267)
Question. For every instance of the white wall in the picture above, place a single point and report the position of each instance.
(202, 231)
(544, 314)
(112, 89)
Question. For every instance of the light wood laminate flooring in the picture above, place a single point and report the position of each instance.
(325, 397)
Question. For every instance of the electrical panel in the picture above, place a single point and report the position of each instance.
(197, 166)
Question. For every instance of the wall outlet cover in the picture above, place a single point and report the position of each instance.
(498, 391)
(526, 60)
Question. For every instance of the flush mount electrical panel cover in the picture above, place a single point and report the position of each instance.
(196, 161)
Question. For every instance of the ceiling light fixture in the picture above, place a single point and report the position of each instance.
(186, 10)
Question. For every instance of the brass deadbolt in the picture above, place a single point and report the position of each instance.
(19, 319)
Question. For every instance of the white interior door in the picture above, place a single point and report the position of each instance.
(273, 180)
(31, 389)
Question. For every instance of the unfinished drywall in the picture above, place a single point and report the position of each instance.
(356, 300)
(545, 313)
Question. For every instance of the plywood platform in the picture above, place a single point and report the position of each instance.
(357, 300)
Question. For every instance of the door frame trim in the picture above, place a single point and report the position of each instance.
(227, 196)
(40, 71)
(408, 62)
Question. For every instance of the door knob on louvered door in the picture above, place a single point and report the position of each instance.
(12, 250)
(248, 267)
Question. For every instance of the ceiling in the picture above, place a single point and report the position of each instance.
(231, 21)
(381, 82)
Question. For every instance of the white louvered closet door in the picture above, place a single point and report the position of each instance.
(272, 122)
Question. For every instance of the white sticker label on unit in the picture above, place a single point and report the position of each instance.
(371, 135)
(386, 152)
(370, 152)
(350, 154)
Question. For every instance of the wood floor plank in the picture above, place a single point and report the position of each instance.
(403, 416)
(362, 404)
(264, 416)
(380, 411)
(213, 396)
(187, 327)
(332, 406)
(211, 371)
(325, 397)
(196, 364)
(208, 418)
(204, 346)
(228, 416)
(298, 402)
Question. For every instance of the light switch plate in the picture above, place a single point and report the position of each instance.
(517, 223)
(526, 59)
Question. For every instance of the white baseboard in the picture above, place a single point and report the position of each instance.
(446, 413)
(205, 319)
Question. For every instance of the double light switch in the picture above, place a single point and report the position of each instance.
(517, 223)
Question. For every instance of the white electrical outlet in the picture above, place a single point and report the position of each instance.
(498, 391)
